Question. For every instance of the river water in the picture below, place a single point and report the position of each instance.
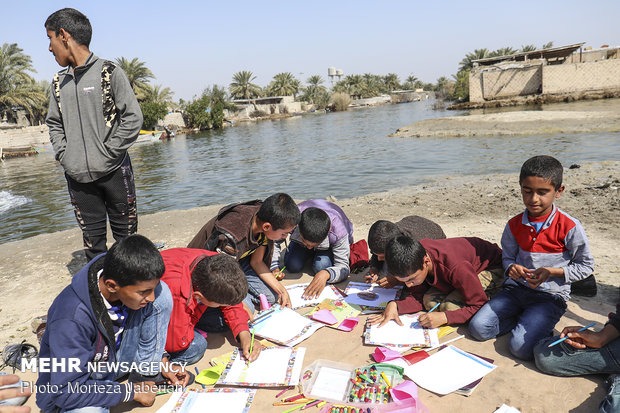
(343, 154)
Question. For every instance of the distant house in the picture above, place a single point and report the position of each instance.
(558, 70)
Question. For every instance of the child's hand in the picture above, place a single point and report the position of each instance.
(316, 286)
(538, 277)
(390, 313)
(388, 282)
(12, 392)
(175, 376)
(433, 320)
(144, 393)
(517, 271)
(279, 275)
(283, 298)
(371, 277)
(245, 340)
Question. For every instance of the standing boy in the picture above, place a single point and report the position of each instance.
(247, 231)
(324, 235)
(114, 311)
(207, 289)
(382, 231)
(544, 251)
(93, 119)
(460, 274)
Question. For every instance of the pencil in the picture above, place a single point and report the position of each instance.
(198, 374)
(429, 311)
(385, 379)
(565, 337)
(280, 272)
(251, 345)
(283, 391)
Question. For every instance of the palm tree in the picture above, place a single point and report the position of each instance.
(504, 51)
(284, 84)
(242, 86)
(468, 60)
(17, 87)
(138, 74)
(314, 91)
(391, 81)
(547, 45)
(410, 82)
(158, 94)
(528, 48)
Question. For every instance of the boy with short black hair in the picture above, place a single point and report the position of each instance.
(382, 231)
(324, 235)
(459, 274)
(207, 290)
(544, 251)
(247, 231)
(114, 310)
(93, 119)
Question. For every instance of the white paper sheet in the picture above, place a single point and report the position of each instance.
(331, 383)
(269, 369)
(285, 326)
(448, 370)
(392, 334)
(382, 295)
(216, 400)
(296, 291)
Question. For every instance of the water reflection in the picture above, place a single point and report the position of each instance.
(341, 154)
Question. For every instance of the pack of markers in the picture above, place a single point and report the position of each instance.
(362, 389)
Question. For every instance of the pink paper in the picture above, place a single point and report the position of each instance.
(385, 354)
(348, 324)
(404, 392)
(324, 316)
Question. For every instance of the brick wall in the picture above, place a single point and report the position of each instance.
(579, 77)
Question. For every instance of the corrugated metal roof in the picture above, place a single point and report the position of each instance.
(551, 53)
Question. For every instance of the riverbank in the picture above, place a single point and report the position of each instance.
(33, 271)
(602, 116)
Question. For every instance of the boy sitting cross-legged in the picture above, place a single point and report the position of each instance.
(207, 289)
(324, 235)
(114, 310)
(544, 251)
(247, 231)
(458, 273)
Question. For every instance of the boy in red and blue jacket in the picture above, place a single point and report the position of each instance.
(544, 250)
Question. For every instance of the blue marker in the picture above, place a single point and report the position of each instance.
(413, 325)
(565, 337)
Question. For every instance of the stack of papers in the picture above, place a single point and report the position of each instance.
(398, 337)
(284, 326)
(275, 366)
(448, 370)
(296, 291)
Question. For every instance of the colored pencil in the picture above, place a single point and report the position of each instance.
(251, 346)
(198, 374)
(429, 311)
(565, 337)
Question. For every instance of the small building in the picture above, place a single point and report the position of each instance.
(558, 70)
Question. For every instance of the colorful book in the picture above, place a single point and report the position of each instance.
(342, 312)
(284, 326)
(398, 337)
(296, 291)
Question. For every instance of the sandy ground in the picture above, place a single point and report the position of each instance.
(35, 270)
(576, 117)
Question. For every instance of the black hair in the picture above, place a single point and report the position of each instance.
(404, 256)
(74, 23)
(380, 233)
(314, 224)
(543, 166)
(280, 211)
(131, 260)
(220, 279)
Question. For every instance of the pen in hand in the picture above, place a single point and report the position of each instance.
(413, 325)
(558, 341)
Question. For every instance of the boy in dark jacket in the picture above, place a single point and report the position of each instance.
(115, 310)
(246, 231)
(93, 119)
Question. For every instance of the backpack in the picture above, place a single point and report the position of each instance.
(221, 240)
(109, 107)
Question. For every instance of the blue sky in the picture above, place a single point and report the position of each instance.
(191, 45)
